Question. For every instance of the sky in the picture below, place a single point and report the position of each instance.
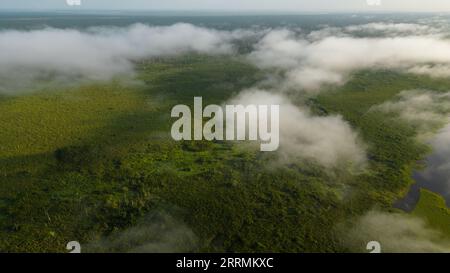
(237, 5)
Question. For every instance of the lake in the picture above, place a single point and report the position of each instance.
(436, 176)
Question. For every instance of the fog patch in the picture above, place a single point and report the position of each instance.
(158, 232)
(434, 71)
(305, 61)
(309, 64)
(426, 110)
(393, 29)
(329, 141)
(397, 233)
(28, 58)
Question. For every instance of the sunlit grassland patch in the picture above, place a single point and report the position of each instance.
(38, 124)
(433, 209)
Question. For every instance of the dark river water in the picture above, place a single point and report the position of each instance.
(436, 176)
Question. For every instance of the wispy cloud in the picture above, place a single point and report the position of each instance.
(329, 56)
(425, 109)
(157, 232)
(328, 141)
(65, 55)
(396, 233)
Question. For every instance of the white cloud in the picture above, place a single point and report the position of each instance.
(328, 141)
(309, 64)
(435, 71)
(64, 55)
(425, 109)
(157, 232)
(394, 29)
(306, 62)
(396, 233)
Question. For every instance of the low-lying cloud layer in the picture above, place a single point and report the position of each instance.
(397, 233)
(426, 110)
(329, 60)
(394, 30)
(328, 141)
(158, 232)
(298, 61)
(306, 60)
(65, 55)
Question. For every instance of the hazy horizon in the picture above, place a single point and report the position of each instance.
(284, 6)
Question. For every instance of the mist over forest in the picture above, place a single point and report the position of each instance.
(86, 152)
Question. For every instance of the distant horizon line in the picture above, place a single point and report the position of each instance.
(236, 11)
